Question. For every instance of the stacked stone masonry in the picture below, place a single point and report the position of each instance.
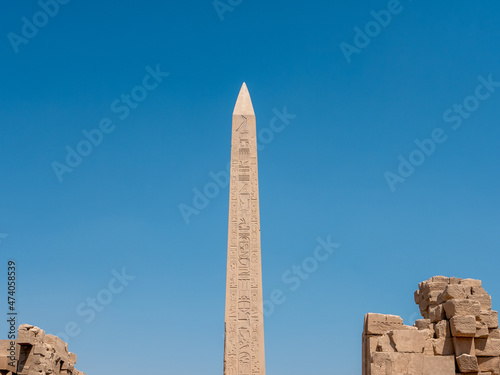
(36, 353)
(458, 335)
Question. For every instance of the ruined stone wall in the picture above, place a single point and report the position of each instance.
(458, 335)
(36, 353)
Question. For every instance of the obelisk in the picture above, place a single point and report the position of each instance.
(244, 320)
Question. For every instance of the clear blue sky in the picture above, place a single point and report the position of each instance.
(324, 173)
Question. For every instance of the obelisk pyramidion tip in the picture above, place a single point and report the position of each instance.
(243, 103)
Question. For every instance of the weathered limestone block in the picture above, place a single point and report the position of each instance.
(72, 357)
(31, 335)
(424, 311)
(490, 318)
(408, 341)
(461, 307)
(429, 347)
(433, 296)
(9, 354)
(455, 291)
(397, 363)
(491, 364)
(482, 330)
(436, 313)
(442, 279)
(442, 329)
(43, 349)
(467, 363)
(464, 345)
(487, 347)
(429, 333)
(443, 346)
(483, 299)
(417, 296)
(463, 326)
(439, 365)
(385, 344)
(378, 324)
(381, 364)
(5, 364)
(494, 333)
(423, 324)
(58, 344)
(432, 290)
(455, 280)
(433, 286)
(471, 282)
(478, 290)
(369, 347)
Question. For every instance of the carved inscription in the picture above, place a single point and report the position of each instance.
(244, 341)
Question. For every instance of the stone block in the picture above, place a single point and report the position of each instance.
(443, 346)
(483, 299)
(424, 312)
(490, 318)
(471, 282)
(454, 291)
(59, 345)
(464, 345)
(5, 364)
(461, 307)
(408, 341)
(385, 344)
(482, 330)
(487, 347)
(424, 304)
(440, 279)
(442, 329)
(369, 347)
(439, 365)
(494, 333)
(417, 296)
(433, 287)
(467, 363)
(436, 313)
(423, 324)
(429, 333)
(491, 364)
(478, 290)
(72, 357)
(429, 347)
(432, 297)
(397, 363)
(463, 326)
(378, 324)
(30, 335)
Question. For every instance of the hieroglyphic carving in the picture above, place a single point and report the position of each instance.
(244, 341)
